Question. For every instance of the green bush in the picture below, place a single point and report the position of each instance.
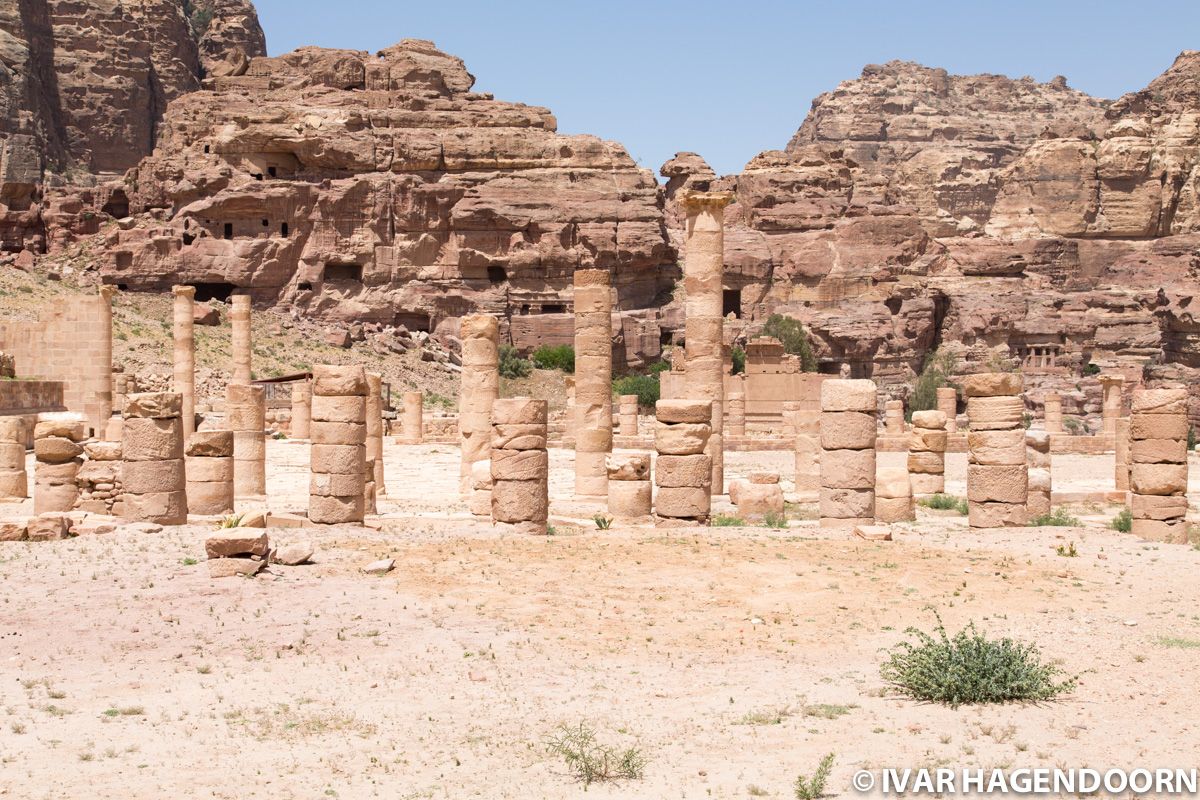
(658, 366)
(969, 668)
(1123, 521)
(560, 357)
(807, 788)
(944, 502)
(738, 356)
(591, 762)
(1091, 369)
(646, 388)
(935, 374)
(794, 338)
(1057, 518)
(511, 363)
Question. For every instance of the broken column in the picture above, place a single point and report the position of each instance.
(1037, 458)
(1111, 408)
(210, 470)
(370, 495)
(239, 317)
(338, 454)
(301, 409)
(704, 345)
(520, 464)
(99, 478)
(627, 414)
(57, 450)
(593, 381)
(375, 432)
(413, 430)
(1121, 467)
(947, 403)
(479, 388)
(894, 496)
(246, 412)
(1159, 470)
(14, 480)
(629, 492)
(997, 475)
(152, 465)
(1052, 404)
(758, 496)
(848, 433)
(683, 470)
(737, 414)
(927, 453)
(184, 378)
(893, 417)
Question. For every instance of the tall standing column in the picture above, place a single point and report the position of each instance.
(184, 380)
(703, 282)
(593, 381)
(997, 475)
(375, 429)
(301, 409)
(480, 386)
(1158, 474)
(848, 432)
(1111, 410)
(947, 403)
(239, 317)
(101, 407)
(414, 422)
(1053, 412)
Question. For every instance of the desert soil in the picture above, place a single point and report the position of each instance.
(734, 658)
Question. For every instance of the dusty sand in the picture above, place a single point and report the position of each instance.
(733, 657)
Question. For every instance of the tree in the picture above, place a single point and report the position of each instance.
(794, 339)
(511, 363)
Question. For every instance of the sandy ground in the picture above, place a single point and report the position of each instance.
(734, 658)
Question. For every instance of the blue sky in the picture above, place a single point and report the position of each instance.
(729, 79)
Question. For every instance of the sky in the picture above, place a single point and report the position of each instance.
(731, 79)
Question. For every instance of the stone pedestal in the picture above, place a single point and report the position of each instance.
(683, 471)
(413, 428)
(1053, 413)
(1037, 457)
(704, 346)
(737, 414)
(239, 318)
(1111, 409)
(520, 464)
(927, 453)
(184, 376)
(997, 475)
(375, 431)
(947, 403)
(628, 415)
(210, 469)
(848, 433)
(629, 490)
(894, 496)
(337, 483)
(1158, 472)
(593, 381)
(58, 456)
(480, 386)
(1121, 467)
(14, 480)
(152, 453)
(301, 409)
(893, 417)
(246, 414)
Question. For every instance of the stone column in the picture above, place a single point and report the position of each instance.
(375, 430)
(480, 386)
(593, 381)
(737, 414)
(301, 409)
(997, 476)
(1037, 457)
(121, 388)
(246, 412)
(683, 471)
(241, 343)
(152, 466)
(947, 403)
(628, 414)
(100, 409)
(414, 423)
(339, 433)
(1111, 410)
(1159, 473)
(894, 496)
(893, 417)
(848, 432)
(1121, 467)
(14, 481)
(520, 464)
(629, 492)
(704, 346)
(792, 411)
(569, 421)
(184, 380)
(57, 450)
(1053, 412)
(209, 462)
(927, 453)
(99, 478)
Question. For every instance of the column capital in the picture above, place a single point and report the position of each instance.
(1106, 380)
(183, 290)
(694, 200)
(107, 292)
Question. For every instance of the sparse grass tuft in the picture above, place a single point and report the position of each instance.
(944, 502)
(591, 762)
(807, 788)
(1123, 521)
(1058, 518)
(1068, 551)
(727, 521)
(1176, 641)
(230, 521)
(774, 519)
(603, 521)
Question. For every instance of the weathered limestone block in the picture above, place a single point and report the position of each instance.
(210, 472)
(629, 490)
(635, 467)
(681, 439)
(849, 395)
(755, 500)
(338, 480)
(1161, 479)
(894, 496)
(676, 471)
(152, 471)
(848, 469)
(995, 413)
(992, 384)
(845, 508)
(847, 430)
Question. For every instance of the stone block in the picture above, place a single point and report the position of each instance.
(1151, 506)
(339, 408)
(927, 463)
(56, 450)
(210, 498)
(629, 498)
(849, 395)
(153, 405)
(894, 509)
(847, 430)
(165, 508)
(892, 482)
(332, 510)
(151, 439)
(847, 469)
(519, 501)
(1039, 480)
(519, 411)
(679, 471)
(996, 413)
(231, 542)
(923, 483)
(686, 411)
(756, 500)
(683, 502)
(334, 381)
(1158, 451)
(1158, 478)
(337, 432)
(997, 448)
(628, 467)
(336, 484)
(1159, 401)
(683, 439)
(992, 384)
(923, 440)
(148, 477)
(847, 503)
(996, 484)
(338, 458)
(47, 527)
(934, 420)
(65, 425)
(1170, 531)
(519, 465)
(1158, 426)
(997, 515)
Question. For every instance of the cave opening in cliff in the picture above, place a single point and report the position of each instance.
(206, 291)
(413, 321)
(117, 206)
(497, 274)
(731, 303)
(273, 172)
(344, 272)
(553, 308)
(228, 230)
(283, 229)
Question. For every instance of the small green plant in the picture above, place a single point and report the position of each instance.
(646, 387)
(935, 374)
(560, 357)
(1068, 551)
(807, 788)
(1073, 425)
(1058, 518)
(279, 436)
(794, 339)
(727, 521)
(230, 521)
(738, 357)
(511, 363)
(603, 521)
(1123, 521)
(1090, 369)
(1027, 420)
(551, 530)
(944, 502)
(774, 519)
(592, 762)
(969, 668)
(190, 562)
